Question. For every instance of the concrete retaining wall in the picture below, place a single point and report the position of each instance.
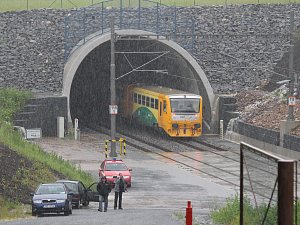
(288, 153)
(264, 138)
(42, 113)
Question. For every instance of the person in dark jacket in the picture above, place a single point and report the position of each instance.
(103, 189)
(120, 187)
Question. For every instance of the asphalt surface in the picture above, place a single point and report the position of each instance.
(159, 193)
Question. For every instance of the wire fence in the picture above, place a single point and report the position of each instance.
(260, 185)
(12, 5)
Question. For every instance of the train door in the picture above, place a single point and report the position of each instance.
(162, 111)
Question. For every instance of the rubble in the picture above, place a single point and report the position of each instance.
(265, 109)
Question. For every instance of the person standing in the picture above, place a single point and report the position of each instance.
(120, 187)
(103, 188)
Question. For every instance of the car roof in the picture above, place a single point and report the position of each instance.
(67, 181)
(52, 184)
(114, 160)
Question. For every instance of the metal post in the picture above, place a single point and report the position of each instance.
(193, 36)
(241, 186)
(189, 214)
(61, 4)
(175, 23)
(102, 17)
(296, 193)
(285, 192)
(121, 13)
(106, 148)
(291, 67)
(121, 145)
(124, 146)
(27, 5)
(221, 130)
(157, 18)
(139, 24)
(112, 87)
(76, 129)
(84, 15)
(66, 38)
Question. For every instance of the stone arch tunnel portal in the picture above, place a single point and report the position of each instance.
(87, 74)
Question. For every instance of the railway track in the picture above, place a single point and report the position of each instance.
(216, 164)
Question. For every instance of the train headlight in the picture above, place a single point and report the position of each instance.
(174, 125)
(197, 125)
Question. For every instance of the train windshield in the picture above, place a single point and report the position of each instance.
(185, 105)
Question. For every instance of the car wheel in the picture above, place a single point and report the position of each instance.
(67, 212)
(86, 203)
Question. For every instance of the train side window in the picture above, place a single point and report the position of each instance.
(143, 100)
(148, 101)
(165, 106)
(156, 104)
(135, 97)
(152, 103)
(139, 99)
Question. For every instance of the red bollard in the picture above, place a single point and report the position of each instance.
(189, 214)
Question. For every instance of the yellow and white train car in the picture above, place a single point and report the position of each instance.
(176, 112)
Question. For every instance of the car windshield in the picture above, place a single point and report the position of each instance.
(185, 105)
(71, 186)
(116, 166)
(50, 189)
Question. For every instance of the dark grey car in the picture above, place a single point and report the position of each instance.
(79, 191)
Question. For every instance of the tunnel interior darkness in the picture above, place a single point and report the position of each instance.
(90, 90)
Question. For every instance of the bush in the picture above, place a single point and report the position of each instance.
(11, 101)
(230, 213)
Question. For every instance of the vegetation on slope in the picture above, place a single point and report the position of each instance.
(24, 165)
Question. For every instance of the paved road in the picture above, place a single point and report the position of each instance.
(159, 192)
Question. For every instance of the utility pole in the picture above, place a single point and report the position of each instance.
(291, 99)
(113, 108)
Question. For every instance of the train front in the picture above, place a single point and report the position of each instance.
(186, 115)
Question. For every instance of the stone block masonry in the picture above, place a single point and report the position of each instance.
(32, 44)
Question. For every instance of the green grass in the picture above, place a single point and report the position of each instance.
(13, 210)
(12, 5)
(11, 100)
(230, 213)
(31, 151)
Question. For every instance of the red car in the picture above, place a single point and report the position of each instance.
(111, 169)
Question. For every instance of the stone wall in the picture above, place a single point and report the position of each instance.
(237, 46)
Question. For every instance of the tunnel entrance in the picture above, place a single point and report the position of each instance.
(88, 86)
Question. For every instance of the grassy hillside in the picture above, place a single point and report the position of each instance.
(11, 5)
(24, 165)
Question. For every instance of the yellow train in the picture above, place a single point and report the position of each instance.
(176, 112)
